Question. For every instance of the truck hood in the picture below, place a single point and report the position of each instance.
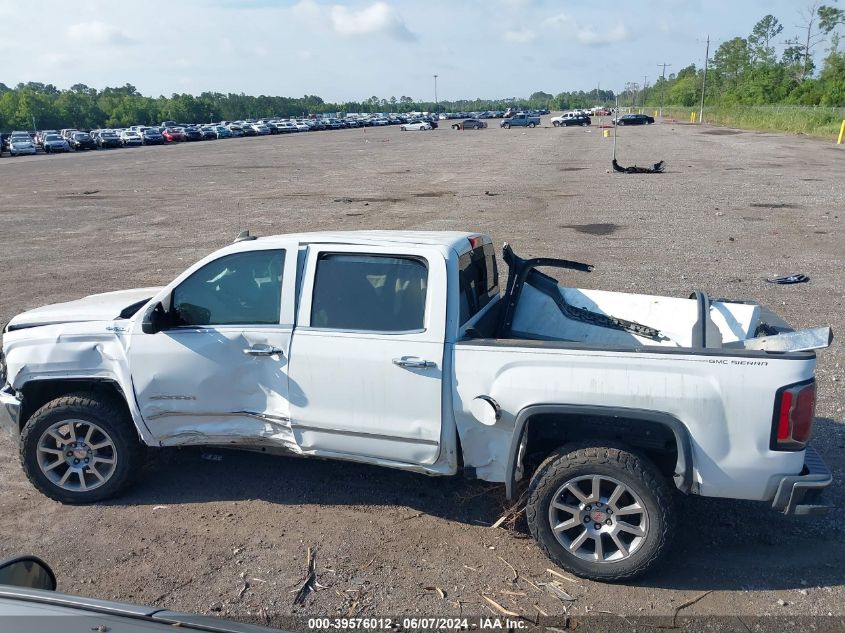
(99, 307)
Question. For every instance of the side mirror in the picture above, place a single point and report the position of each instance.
(154, 319)
(29, 572)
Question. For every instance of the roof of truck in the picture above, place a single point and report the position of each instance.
(453, 239)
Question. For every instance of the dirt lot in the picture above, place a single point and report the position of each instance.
(732, 208)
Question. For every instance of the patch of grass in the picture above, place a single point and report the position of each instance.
(822, 122)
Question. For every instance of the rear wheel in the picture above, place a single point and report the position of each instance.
(556, 123)
(601, 511)
(507, 126)
(80, 449)
(532, 124)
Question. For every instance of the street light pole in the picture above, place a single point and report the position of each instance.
(435, 93)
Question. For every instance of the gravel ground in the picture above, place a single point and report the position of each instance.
(732, 208)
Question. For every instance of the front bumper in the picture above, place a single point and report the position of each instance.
(801, 494)
(10, 410)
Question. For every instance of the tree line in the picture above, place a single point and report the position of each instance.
(758, 69)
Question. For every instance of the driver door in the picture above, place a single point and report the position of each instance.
(217, 374)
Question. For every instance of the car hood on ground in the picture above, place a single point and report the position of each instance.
(99, 307)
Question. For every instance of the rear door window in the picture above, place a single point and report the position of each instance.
(374, 293)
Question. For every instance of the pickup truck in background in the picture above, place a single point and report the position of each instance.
(400, 349)
(520, 120)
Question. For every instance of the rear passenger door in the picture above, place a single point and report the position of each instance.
(367, 353)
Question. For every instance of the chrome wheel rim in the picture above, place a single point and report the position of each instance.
(598, 519)
(76, 455)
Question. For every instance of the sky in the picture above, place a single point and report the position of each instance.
(353, 50)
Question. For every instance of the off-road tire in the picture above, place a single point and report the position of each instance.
(624, 465)
(110, 417)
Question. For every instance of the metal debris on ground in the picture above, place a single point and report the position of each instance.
(310, 579)
(556, 589)
(789, 279)
(657, 168)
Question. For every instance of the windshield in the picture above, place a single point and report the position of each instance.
(52, 137)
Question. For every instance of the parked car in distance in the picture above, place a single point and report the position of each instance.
(21, 144)
(82, 140)
(208, 133)
(192, 133)
(235, 130)
(151, 136)
(520, 120)
(469, 124)
(130, 138)
(174, 135)
(222, 131)
(574, 119)
(107, 138)
(53, 143)
(416, 126)
(635, 119)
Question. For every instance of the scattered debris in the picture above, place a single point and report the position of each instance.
(487, 193)
(159, 507)
(657, 168)
(540, 611)
(243, 589)
(782, 603)
(90, 192)
(354, 215)
(513, 569)
(512, 514)
(310, 579)
(471, 568)
(413, 516)
(439, 591)
(799, 278)
(689, 603)
(559, 575)
(500, 608)
(557, 591)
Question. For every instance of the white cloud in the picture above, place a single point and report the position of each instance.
(379, 17)
(557, 20)
(591, 37)
(98, 33)
(522, 36)
(588, 34)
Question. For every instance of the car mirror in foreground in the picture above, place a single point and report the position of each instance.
(29, 572)
(154, 319)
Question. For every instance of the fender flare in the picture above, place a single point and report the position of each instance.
(683, 469)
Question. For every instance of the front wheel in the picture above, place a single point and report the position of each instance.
(601, 511)
(80, 449)
(507, 126)
(556, 123)
(532, 124)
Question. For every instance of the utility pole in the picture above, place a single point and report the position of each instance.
(704, 83)
(662, 86)
(642, 95)
(435, 93)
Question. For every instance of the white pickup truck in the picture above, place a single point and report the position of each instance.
(400, 349)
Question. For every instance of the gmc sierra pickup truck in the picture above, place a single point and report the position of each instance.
(400, 349)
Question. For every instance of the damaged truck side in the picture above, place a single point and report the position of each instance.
(400, 349)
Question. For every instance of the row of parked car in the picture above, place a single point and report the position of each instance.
(20, 143)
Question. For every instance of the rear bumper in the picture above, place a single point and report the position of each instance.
(801, 494)
(10, 410)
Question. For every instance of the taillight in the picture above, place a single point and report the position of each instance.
(793, 419)
(476, 240)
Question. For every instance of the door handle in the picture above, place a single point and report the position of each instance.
(263, 350)
(414, 362)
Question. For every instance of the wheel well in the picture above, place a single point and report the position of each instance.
(544, 432)
(37, 393)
